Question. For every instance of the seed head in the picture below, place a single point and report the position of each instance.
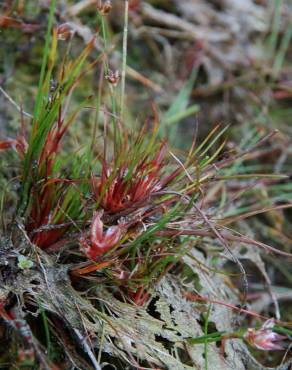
(105, 8)
(113, 77)
(64, 31)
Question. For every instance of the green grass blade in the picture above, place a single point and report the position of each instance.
(41, 93)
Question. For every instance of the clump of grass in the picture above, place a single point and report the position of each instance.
(122, 214)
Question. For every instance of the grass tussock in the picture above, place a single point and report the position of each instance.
(124, 230)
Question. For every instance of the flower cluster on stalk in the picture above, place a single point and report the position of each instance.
(265, 338)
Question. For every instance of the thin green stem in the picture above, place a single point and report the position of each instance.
(124, 65)
(105, 41)
(47, 331)
(45, 60)
(104, 33)
(206, 333)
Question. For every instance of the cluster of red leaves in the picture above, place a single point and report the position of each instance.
(96, 243)
(99, 242)
(127, 188)
(45, 208)
(120, 190)
(19, 144)
(45, 218)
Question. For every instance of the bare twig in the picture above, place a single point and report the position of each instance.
(226, 235)
(87, 349)
(75, 9)
(135, 75)
(14, 103)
